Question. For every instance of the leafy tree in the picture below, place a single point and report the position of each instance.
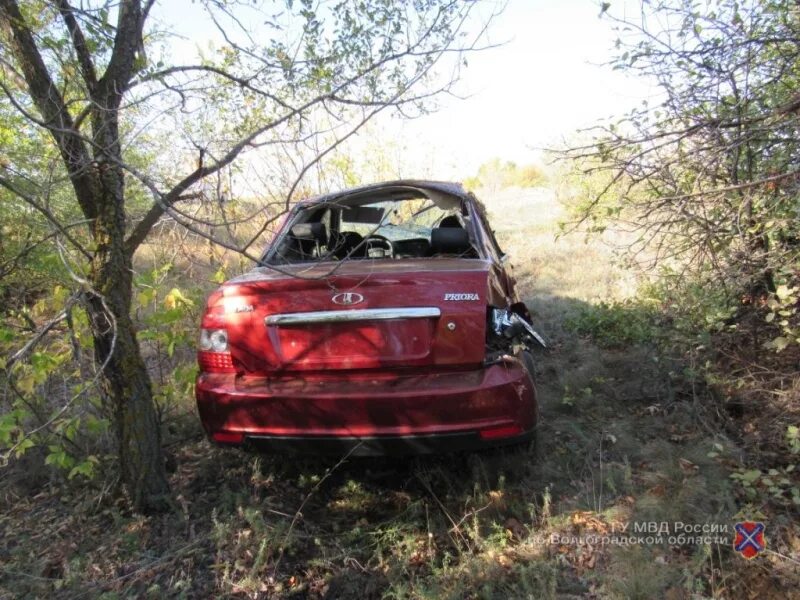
(707, 177)
(99, 81)
(496, 174)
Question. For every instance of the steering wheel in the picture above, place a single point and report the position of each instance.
(378, 241)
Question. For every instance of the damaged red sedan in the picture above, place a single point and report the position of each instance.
(382, 320)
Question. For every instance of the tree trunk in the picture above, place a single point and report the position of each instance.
(124, 380)
(128, 395)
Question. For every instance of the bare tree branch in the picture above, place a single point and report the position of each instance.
(79, 42)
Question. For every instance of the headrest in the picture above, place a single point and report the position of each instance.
(449, 240)
(450, 221)
(310, 231)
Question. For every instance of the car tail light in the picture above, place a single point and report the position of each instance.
(215, 362)
(228, 437)
(504, 431)
(214, 355)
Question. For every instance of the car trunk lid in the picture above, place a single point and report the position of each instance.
(365, 315)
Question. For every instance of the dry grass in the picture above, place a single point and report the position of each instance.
(526, 222)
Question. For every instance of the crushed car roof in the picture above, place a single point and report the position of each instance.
(437, 187)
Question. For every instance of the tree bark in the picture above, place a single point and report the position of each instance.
(125, 380)
(126, 389)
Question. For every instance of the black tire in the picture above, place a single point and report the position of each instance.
(531, 446)
(527, 360)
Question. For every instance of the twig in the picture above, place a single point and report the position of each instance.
(45, 329)
(455, 525)
(783, 556)
(469, 514)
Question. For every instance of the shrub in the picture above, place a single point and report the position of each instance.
(615, 324)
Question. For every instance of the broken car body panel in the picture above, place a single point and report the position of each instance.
(370, 325)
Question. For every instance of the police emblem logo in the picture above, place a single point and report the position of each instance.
(749, 540)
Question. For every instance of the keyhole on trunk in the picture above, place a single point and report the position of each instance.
(451, 326)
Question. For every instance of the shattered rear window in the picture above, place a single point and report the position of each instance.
(369, 229)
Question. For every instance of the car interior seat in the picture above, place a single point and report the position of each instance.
(348, 244)
(451, 241)
(306, 240)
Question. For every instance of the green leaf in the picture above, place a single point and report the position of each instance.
(176, 299)
(778, 344)
(85, 468)
(24, 445)
(751, 475)
(145, 297)
(26, 384)
(784, 291)
(94, 425)
(59, 458)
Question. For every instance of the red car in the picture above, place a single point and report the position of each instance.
(382, 320)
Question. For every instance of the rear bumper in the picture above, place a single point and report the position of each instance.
(380, 445)
(370, 413)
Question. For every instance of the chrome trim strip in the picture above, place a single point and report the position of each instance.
(344, 316)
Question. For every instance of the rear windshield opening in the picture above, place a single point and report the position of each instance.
(373, 229)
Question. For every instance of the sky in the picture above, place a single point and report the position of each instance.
(545, 81)
(541, 86)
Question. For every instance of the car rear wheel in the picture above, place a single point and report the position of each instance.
(527, 448)
(526, 358)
